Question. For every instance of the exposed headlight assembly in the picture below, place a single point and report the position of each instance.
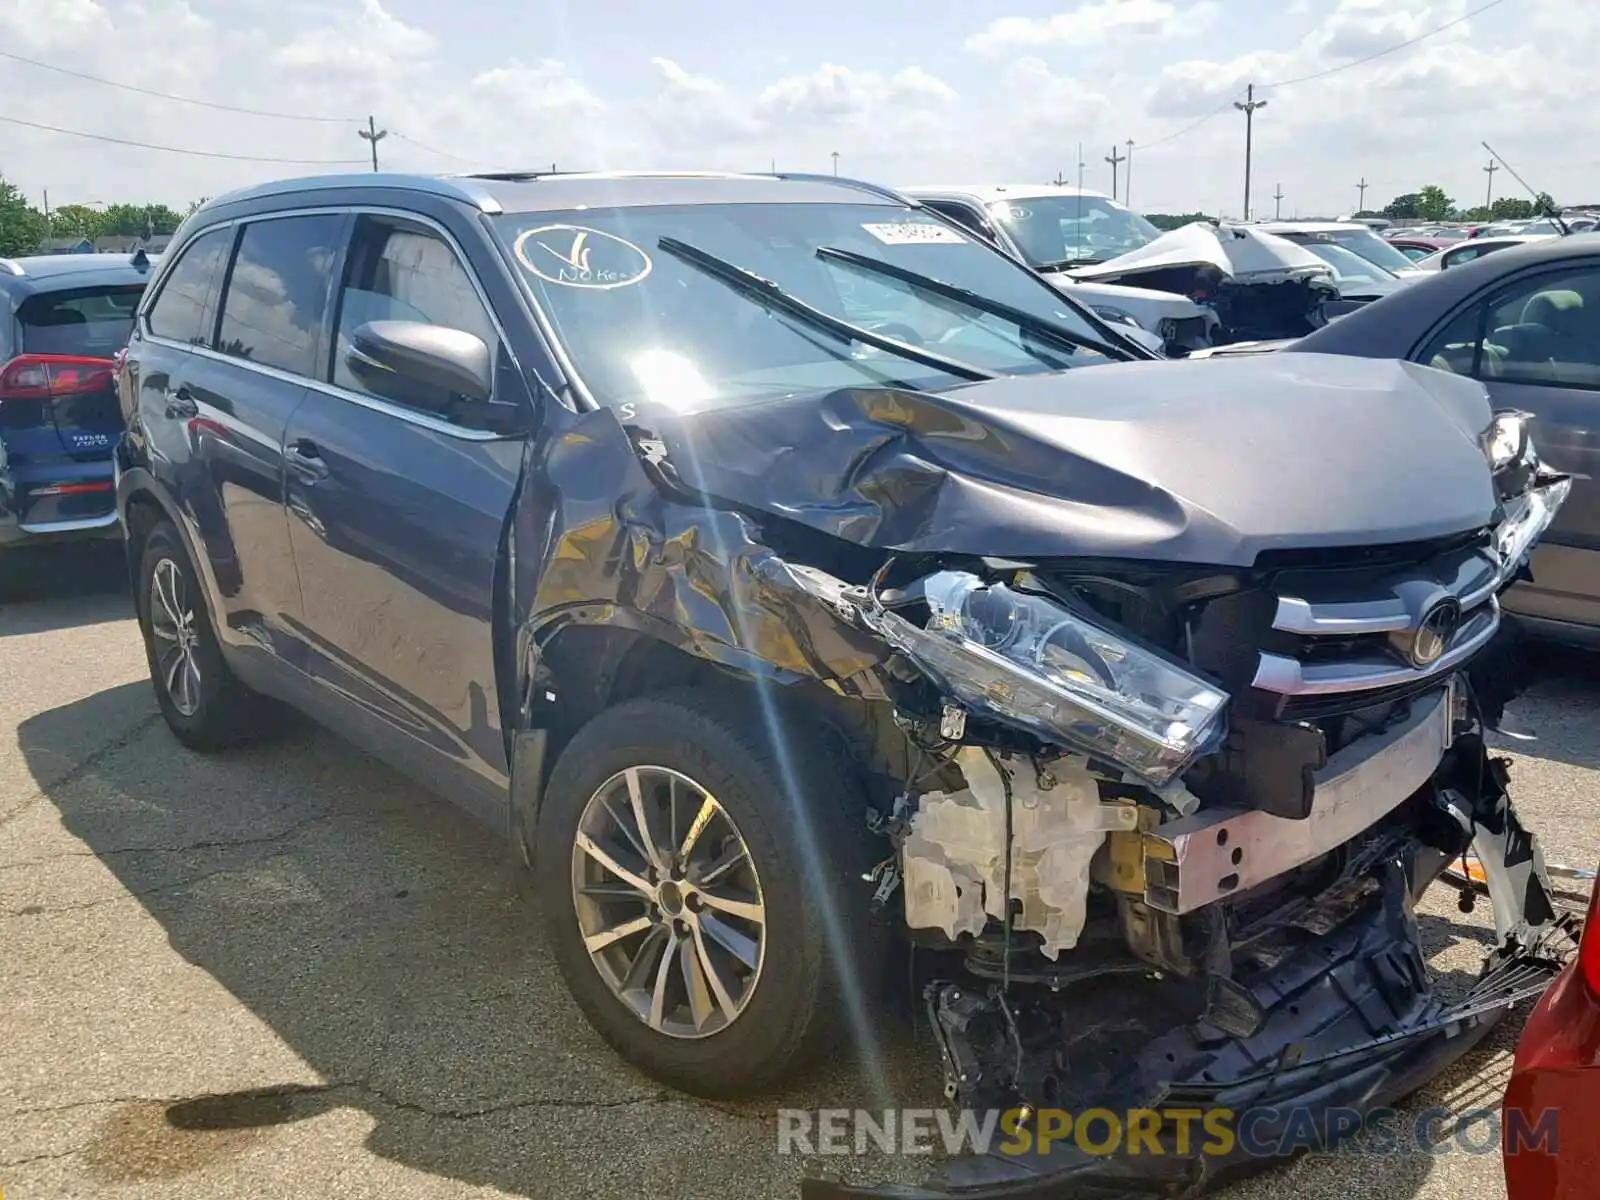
(1026, 660)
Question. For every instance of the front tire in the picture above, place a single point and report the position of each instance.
(204, 704)
(708, 917)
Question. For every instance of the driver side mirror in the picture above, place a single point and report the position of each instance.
(428, 366)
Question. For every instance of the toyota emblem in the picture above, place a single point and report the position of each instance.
(1434, 631)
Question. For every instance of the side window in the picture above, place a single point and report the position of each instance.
(183, 309)
(277, 291)
(403, 272)
(1547, 330)
(1455, 347)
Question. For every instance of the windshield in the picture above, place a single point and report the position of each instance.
(642, 323)
(94, 322)
(1370, 247)
(1348, 267)
(1052, 230)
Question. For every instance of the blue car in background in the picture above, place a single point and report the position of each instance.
(64, 319)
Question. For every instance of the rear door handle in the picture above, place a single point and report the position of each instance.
(305, 460)
(181, 404)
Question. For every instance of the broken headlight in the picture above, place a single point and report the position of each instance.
(1027, 660)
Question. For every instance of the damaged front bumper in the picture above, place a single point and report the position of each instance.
(1350, 1023)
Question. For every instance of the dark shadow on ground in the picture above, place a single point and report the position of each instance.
(379, 934)
(62, 586)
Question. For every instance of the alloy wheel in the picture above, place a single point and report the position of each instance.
(172, 624)
(668, 901)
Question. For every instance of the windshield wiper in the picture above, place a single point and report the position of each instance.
(1038, 326)
(770, 296)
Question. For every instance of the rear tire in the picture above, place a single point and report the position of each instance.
(203, 702)
(772, 992)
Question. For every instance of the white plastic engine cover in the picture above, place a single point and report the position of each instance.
(953, 860)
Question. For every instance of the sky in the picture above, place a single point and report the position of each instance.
(903, 91)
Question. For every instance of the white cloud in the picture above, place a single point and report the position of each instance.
(370, 40)
(1093, 22)
(1096, 73)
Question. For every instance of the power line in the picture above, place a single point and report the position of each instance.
(1421, 37)
(1228, 103)
(100, 137)
(471, 162)
(1188, 129)
(129, 87)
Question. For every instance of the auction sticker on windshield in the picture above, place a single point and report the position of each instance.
(573, 256)
(905, 233)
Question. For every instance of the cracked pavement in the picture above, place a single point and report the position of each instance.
(288, 970)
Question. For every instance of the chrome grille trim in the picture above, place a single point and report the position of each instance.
(1290, 677)
(1391, 613)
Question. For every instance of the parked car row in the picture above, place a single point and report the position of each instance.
(798, 572)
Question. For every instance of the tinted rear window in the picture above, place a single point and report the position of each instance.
(90, 321)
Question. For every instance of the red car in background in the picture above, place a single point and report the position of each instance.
(1416, 248)
(1551, 1115)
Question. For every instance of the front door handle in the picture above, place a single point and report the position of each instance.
(181, 404)
(305, 460)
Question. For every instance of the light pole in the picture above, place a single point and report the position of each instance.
(374, 135)
(1127, 179)
(1114, 158)
(1277, 204)
(1248, 108)
(836, 162)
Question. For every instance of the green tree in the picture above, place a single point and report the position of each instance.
(22, 227)
(1509, 208)
(164, 220)
(1404, 208)
(76, 221)
(1434, 205)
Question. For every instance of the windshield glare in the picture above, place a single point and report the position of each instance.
(1348, 267)
(1372, 248)
(1076, 229)
(643, 326)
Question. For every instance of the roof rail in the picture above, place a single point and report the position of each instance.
(11, 266)
(860, 185)
(452, 187)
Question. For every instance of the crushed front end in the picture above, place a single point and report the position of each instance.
(1163, 842)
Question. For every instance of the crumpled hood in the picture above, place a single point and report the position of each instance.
(1201, 462)
(1240, 252)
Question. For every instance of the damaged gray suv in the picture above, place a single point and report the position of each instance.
(796, 579)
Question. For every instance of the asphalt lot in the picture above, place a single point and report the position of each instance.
(288, 971)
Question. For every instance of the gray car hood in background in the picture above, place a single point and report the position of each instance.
(1200, 462)
(1241, 253)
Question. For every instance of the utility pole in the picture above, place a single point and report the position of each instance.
(1127, 179)
(1361, 195)
(836, 162)
(1277, 204)
(1248, 108)
(1114, 158)
(1488, 199)
(374, 135)
(1080, 167)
